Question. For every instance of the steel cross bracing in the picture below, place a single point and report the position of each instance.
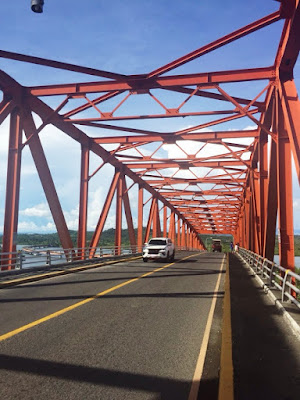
(199, 179)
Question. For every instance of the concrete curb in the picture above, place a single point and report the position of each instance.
(286, 315)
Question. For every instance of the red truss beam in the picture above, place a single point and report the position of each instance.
(185, 164)
(195, 186)
(269, 19)
(139, 85)
(212, 137)
(59, 65)
(168, 114)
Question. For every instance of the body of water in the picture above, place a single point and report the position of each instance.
(276, 258)
(297, 261)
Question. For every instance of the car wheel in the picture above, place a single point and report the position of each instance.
(145, 259)
(173, 256)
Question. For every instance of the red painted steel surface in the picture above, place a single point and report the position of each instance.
(186, 181)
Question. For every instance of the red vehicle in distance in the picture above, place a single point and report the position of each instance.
(216, 245)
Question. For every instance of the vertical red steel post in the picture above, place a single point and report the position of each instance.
(83, 200)
(252, 221)
(150, 219)
(170, 226)
(128, 215)
(256, 215)
(187, 238)
(175, 233)
(241, 231)
(271, 205)
(12, 190)
(119, 201)
(241, 228)
(247, 220)
(263, 183)
(174, 227)
(178, 232)
(171, 234)
(244, 243)
(165, 220)
(183, 236)
(238, 231)
(156, 220)
(140, 218)
(285, 197)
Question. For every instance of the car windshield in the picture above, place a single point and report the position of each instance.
(160, 242)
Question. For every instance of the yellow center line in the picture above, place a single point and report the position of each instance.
(202, 354)
(81, 303)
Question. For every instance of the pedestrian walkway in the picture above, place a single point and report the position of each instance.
(266, 352)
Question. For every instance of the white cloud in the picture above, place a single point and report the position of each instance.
(29, 226)
(40, 210)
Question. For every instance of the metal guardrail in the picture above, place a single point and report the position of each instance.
(45, 257)
(277, 277)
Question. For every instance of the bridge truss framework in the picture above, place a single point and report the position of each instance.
(239, 190)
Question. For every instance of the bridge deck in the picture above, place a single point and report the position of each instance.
(137, 331)
(266, 353)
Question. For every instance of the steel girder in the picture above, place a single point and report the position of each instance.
(198, 179)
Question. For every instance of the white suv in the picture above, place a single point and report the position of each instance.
(159, 248)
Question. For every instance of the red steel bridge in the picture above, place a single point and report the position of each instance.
(229, 181)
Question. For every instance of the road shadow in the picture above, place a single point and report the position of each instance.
(219, 294)
(163, 388)
(155, 275)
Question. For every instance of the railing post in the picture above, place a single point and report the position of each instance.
(263, 267)
(20, 259)
(284, 283)
(271, 274)
(48, 260)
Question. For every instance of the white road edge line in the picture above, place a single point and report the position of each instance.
(200, 362)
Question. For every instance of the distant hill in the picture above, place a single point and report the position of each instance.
(108, 239)
(52, 239)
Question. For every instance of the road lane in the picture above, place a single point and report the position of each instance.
(24, 302)
(140, 341)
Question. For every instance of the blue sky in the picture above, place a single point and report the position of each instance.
(126, 37)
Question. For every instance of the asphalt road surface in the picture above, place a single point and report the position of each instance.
(126, 331)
